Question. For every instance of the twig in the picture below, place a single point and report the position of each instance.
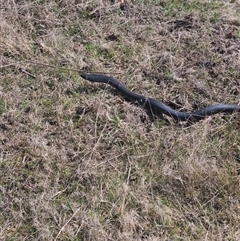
(56, 67)
(66, 224)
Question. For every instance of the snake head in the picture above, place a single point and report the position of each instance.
(83, 75)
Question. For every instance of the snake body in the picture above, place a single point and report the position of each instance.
(158, 107)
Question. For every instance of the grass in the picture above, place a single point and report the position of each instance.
(77, 161)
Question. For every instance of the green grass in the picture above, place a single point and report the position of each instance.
(2, 107)
(98, 52)
(177, 8)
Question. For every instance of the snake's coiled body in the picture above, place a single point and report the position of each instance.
(158, 107)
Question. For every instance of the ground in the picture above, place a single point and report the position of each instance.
(77, 161)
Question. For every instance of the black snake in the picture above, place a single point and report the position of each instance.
(158, 107)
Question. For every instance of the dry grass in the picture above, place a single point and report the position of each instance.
(79, 163)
